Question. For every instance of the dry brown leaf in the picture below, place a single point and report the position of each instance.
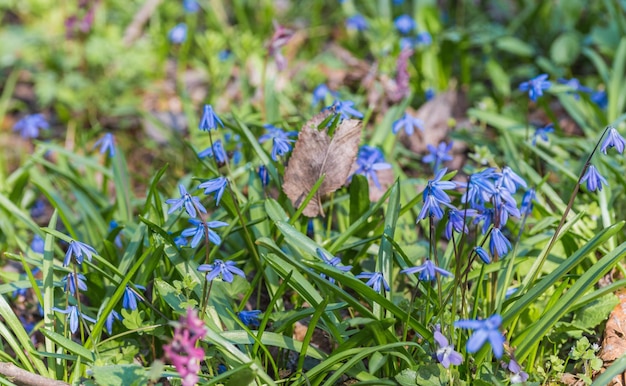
(614, 343)
(315, 154)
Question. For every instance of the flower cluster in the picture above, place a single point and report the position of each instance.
(182, 351)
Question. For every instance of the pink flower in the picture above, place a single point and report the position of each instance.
(182, 351)
(279, 39)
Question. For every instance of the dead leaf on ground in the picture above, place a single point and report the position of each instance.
(315, 154)
(614, 343)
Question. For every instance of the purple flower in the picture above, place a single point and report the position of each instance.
(345, 109)
(356, 22)
(334, 262)
(281, 143)
(517, 374)
(594, 179)
(79, 251)
(404, 24)
(29, 126)
(217, 186)
(209, 120)
(190, 203)
(129, 301)
(113, 315)
(201, 229)
(369, 161)
(183, 350)
(178, 34)
(73, 315)
(376, 280)
(225, 269)
(71, 280)
(438, 154)
(446, 355)
(613, 139)
(280, 37)
(427, 271)
(535, 86)
(482, 254)
(499, 243)
(542, 132)
(107, 142)
(250, 318)
(484, 330)
(409, 123)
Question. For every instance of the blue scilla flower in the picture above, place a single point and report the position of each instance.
(209, 120)
(575, 86)
(477, 186)
(600, 98)
(510, 180)
(201, 229)
(73, 315)
(436, 187)
(79, 251)
(542, 132)
(517, 374)
(129, 301)
(503, 202)
(281, 143)
(369, 161)
(178, 34)
(29, 126)
(499, 243)
(113, 315)
(225, 269)
(345, 109)
(527, 202)
(37, 245)
(319, 93)
(106, 143)
(356, 22)
(217, 186)
(180, 241)
(427, 271)
(190, 203)
(334, 262)
(446, 355)
(376, 280)
(409, 123)
(594, 179)
(264, 175)
(482, 254)
(456, 221)
(429, 94)
(71, 280)
(613, 139)
(217, 151)
(484, 215)
(438, 154)
(535, 86)
(221, 368)
(486, 330)
(404, 24)
(423, 39)
(250, 318)
(191, 6)
(406, 43)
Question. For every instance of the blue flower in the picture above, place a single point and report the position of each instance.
(423, 39)
(427, 271)
(482, 254)
(485, 215)
(79, 251)
(37, 245)
(200, 229)
(510, 180)
(375, 280)
(129, 301)
(190, 202)
(484, 330)
(356, 22)
(527, 201)
(73, 315)
(369, 161)
(613, 139)
(71, 280)
(217, 185)
(542, 132)
(499, 243)
(429, 94)
(594, 179)
(438, 154)
(30, 125)
(209, 120)
(503, 202)
(110, 319)
(477, 186)
(446, 355)
(191, 6)
(225, 269)
(178, 34)
(600, 98)
(250, 318)
(575, 85)
(434, 196)
(334, 262)
(264, 175)
(281, 143)
(517, 374)
(535, 86)
(216, 151)
(221, 368)
(409, 123)
(345, 109)
(180, 241)
(319, 94)
(404, 24)
(456, 221)
(107, 142)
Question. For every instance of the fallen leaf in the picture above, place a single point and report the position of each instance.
(316, 154)
(614, 342)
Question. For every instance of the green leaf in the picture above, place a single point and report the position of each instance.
(407, 377)
(131, 375)
(595, 312)
(70, 345)
(359, 197)
(431, 375)
(566, 48)
(515, 46)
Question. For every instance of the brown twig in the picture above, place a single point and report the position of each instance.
(134, 29)
(25, 378)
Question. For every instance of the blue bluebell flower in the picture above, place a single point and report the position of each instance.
(409, 123)
(73, 315)
(477, 186)
(404, 24)
(527, 202)
(436, 187)
(345, 109)
(376, 280)
(503, 202)
(79, 251)
(427, 271)
(71, 280)
(178, 34)
(600, 98)
(129, 300)
(575, 86)
(535, 86)
(485, 216)
(107, 142)
(542, 132)
(456, 221)
(613, 139)
(446, 355)
(216, 185)
(438, 154)
(191, 6)
(113, 315)
(250, 318)
(225, 269)
(216, 151)
(484, 330)
(594, 179)
(209, 120)
(334, 262)
(264, 175)
(369, 161)
(356, 22)
(482, 254)
(190, 203)
(281, 143)
(37, 245)
(499, 243)
(199, 231)
(29, 126)
(423, 39)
